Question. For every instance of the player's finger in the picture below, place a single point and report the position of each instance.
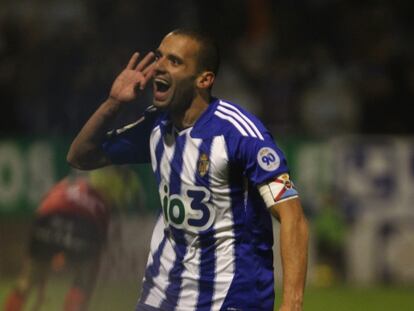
(145, 61)
(147, 75)
(132, 61)
(149, 69)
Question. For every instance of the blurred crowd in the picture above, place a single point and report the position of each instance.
(308, 68)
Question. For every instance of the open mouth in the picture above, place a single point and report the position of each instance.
(161, 87)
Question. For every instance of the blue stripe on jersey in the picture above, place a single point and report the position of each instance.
(173, 290)
(241, 292)
(250, 287)
(207, 272)
(152, 270)
(207, 246)
(262, 237)
(250, 278)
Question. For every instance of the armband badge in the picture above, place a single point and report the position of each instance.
(286, 187)
(285, 180)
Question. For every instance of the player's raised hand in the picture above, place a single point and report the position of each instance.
(133, 78)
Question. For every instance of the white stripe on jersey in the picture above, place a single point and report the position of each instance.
(254, 127)
(154, 140)
(189, 279)
(128, 126)
(157, 293)
(155, 240)
(167, 157)
(191, 261)
(238, 118)
(224, 236)
(224, 271)
(218, 169)
(157, 236)
(232, 121)
(190, 159)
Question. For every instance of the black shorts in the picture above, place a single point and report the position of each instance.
(78, 237)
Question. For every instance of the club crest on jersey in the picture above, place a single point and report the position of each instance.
(203, 164)
(268, 159)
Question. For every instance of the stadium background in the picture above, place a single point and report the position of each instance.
(332, 79)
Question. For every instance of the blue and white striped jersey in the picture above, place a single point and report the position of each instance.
(212, 244)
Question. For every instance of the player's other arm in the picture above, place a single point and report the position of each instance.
(86, 151)
(294, 251)
(282, 199)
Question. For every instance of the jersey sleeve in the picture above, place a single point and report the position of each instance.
(130, 144)
(260, 159)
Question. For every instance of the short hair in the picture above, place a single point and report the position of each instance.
(209, 54)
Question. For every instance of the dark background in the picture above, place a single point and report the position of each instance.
(312, 68)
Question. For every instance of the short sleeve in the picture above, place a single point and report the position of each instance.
(260, 159)
(130, 144)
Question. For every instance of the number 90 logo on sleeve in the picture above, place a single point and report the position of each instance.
(191, 210)
(268, 159)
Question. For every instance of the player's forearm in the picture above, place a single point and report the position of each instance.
(294, 252)
(85, 151)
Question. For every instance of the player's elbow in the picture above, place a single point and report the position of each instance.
(74, 160)
(81, 160)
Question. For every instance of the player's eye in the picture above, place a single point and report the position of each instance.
(175, 61)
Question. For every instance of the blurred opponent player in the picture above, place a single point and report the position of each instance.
(220, 178)
(70, 226)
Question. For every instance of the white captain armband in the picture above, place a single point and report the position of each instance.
(278, 190)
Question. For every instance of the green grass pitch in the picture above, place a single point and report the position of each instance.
(123, 296)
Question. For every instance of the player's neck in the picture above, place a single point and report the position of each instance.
(187, 118)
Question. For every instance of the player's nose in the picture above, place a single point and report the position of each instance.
(160, 65)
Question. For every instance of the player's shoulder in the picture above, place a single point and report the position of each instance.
(234, 121)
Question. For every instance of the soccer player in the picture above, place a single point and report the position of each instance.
(220, 178)
(70, 228)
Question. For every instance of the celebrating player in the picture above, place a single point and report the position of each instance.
(220, 178)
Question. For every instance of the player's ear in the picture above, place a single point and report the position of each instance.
(205, 80)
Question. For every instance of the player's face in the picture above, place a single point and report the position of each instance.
(176, 71)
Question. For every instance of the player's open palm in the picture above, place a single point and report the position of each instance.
(133, 78)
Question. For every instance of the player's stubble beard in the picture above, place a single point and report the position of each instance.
(182, 96)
